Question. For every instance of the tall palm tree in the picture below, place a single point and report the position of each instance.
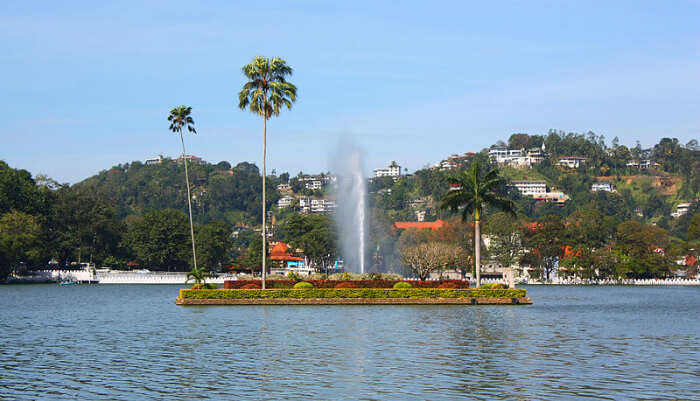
(266, 92)
(474, 191)
(180, 118)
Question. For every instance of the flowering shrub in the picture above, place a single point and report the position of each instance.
(353, 293)
(346, 284)
(282, 284)
(251, 286)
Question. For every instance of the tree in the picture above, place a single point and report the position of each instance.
(474, 191)
(266, 92)
(506, 239)
(198, 276)
(546, 241)
(428, 257)
(643, 250)
(694, 228)
(586, 232)
(180, 118)
(253, 256)
(315, 234)
(82, 226)
(19, 238)
(158, 239)
(214, 244)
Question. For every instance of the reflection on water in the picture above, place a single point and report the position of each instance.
(132, 342)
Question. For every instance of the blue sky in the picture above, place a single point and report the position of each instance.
(88, 85)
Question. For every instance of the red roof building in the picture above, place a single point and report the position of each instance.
(420, 225)
(280, 252)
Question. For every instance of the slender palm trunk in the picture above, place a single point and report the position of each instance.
(264, 233)
(477, 250)
(189, 199)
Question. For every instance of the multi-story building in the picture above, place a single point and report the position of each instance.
(313, 184)
(316, 205)
(530, 188)
(322, 205)
(516, 157)
(642, 165)
(154, 160)
(393, 171)
(189, 158)
(284, 187)
(285, 201)
(553, 196)
(602, 186)
(572, 161)
(681, 209)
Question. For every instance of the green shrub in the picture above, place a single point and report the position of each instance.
(293, 276)
(486, 286)
(303, 285)
(401, 285)
(353, 293)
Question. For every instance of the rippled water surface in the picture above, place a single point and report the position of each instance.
(132, 342)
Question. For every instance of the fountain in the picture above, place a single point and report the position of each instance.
(351, 212)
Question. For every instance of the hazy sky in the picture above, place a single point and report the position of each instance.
(86, 85)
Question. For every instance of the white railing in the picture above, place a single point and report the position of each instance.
(579, 281)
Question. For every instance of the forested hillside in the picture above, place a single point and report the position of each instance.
(219, 192)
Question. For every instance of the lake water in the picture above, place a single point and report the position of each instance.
(130, 342)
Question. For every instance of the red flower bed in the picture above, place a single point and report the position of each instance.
(236, 284)
(346, 284)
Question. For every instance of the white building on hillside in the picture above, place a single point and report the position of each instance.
(519, 158)
(572, 161)
(393, 171)
(530, 188)
(681, 210)
(154, 160)
(602, 186)
(285, 201)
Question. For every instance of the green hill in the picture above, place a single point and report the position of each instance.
(219, 192)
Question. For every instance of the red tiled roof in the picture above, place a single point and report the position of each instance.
(280, 251)
(433, 225)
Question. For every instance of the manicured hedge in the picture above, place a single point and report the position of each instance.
(353, 293)
(281, 284)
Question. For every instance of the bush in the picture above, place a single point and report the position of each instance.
(494, 286)
(353, 293)
(370, 276)
(402, 285)
(293, 276)
(346, 284)
(251, 287)
(448, 284)
(233, 284)
(303, 285)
